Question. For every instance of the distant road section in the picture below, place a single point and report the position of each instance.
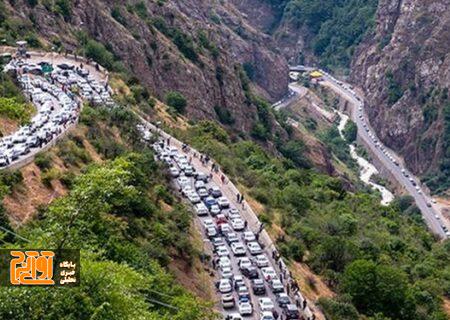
(387, 158)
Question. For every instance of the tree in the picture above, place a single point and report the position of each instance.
(350, 131)
(176, 100)
(376, 288)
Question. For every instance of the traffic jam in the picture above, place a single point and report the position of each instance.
(246, 281)
(57, 94)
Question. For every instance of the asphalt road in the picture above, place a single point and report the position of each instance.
(432, 217)
(229, 191)
(199, 167)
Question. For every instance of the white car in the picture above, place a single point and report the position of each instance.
(245, 308)
(276, 286)
(199, 184)
(265, 304)
(224, 262)
(225, 286)
(223, 202)
(227, 273)
(238, 224)
(173, 151)
(244, 263)
(222, 251)
(202, 192)
(209, 223)
(238, 249)
(268, 273)
(254, 248)
(183, 181)
(267, 315)
(235, 316)
(194, 197)
(188, 170)
(186, 190)
(201, 209)
(174, 172)
(262, 261)
(211, 232)
(233, 215)
(215, 210)
(248, 236)
(225, 228)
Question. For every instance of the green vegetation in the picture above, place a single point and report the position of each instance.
(395, 91)
(337, 145)
(114, 212)
(335, 27)
(43, 160)
(439, 181)
(13, 104)
(183, 41)
(381, 260)
(176, 100)
(124, 237)
(350, 131)
(10, 108)
(13, 29)
(224, 115)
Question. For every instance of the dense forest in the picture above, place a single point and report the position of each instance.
(334, 27)
(381, 260)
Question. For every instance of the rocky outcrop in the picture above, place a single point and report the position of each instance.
(405, 72)
(148, 36)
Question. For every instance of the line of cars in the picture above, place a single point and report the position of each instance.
(247, 283)
(56, 105)
(387, 154)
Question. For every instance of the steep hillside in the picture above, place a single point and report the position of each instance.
(193, 47)
(405, 73)
(325, 32)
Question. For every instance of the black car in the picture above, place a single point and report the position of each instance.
(251, 272)
(65, 66)
(215, 192)
(283, 300)
(291, 312)
(258, 287)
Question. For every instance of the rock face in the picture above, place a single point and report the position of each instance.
(404, 70)
(149, 37)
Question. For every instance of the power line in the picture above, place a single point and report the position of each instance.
(163, 304)
(15, 234)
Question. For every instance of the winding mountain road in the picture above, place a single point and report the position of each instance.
(431, 215)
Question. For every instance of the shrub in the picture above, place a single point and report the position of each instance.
(117, 15)
(14, 110)
(63, 8)
(100, 54)
(49, 175)
(176, 100)
(185, 44)
(224, 115)
(350, 131)
(43, 160)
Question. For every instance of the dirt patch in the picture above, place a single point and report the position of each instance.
(22, 203)
(196, 277)
(312, 286)
(8, 126)
(446, 306)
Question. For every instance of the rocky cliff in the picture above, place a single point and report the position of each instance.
(196, 47)
(404, 70)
